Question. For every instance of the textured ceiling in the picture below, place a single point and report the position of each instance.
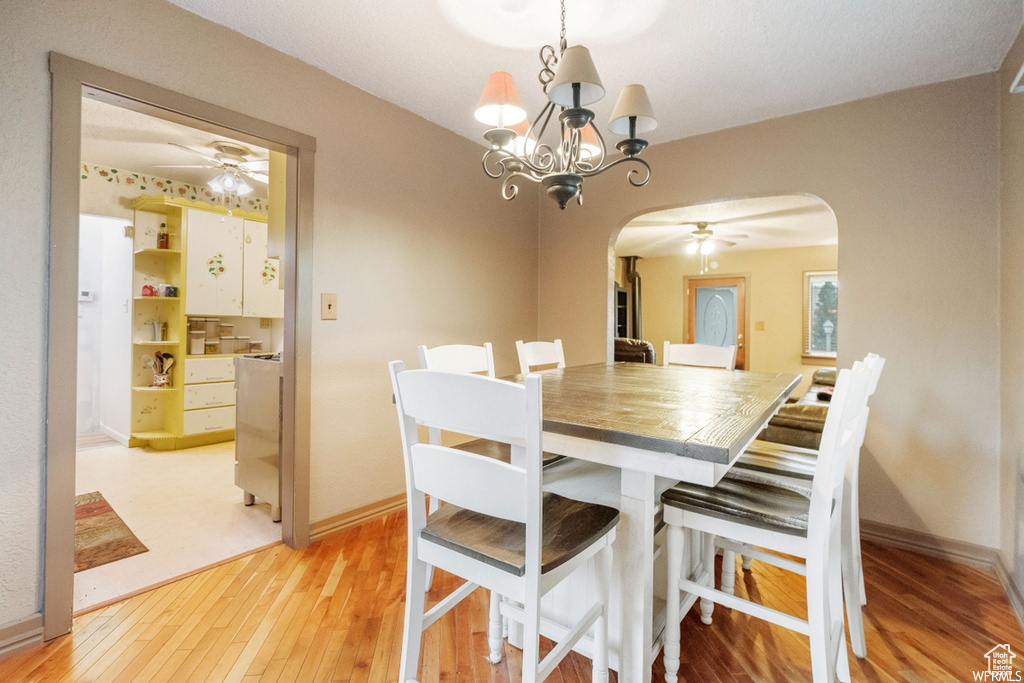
(707, 65)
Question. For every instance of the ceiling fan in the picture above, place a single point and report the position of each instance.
(232, 159)
(704, 240)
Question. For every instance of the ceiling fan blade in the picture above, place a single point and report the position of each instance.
(725, 243)
(196, 151)
(258, 177)
(737, 236)
(256, 165)
(180, 166)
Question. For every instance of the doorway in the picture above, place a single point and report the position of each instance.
(717, 313)
(70, 78)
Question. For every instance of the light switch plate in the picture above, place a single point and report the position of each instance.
(328, 306)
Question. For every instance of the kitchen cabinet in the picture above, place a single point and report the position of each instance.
(213, 260)
(262, 296)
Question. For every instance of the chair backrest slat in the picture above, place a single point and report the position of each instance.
(458, 358)
(700, 355)
(471, 481)
(532, 354)
(457, 402)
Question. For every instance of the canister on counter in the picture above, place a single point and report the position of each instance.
(227, 330)
(196, 342)
(227, 344)
(256, 346)
(212, 346)
(242, 344)
(212, 326)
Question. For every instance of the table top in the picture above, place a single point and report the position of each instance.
(702, 413)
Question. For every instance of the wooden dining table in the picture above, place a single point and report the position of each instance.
(652, 426)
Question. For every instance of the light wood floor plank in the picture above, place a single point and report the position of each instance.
(334, 611)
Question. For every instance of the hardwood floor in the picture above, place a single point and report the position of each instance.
(334, 612)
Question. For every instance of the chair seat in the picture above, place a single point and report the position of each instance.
(770, 458)
(501, 451)
(570, 526)
(747, 496)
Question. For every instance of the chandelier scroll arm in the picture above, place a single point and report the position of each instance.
(629, 176)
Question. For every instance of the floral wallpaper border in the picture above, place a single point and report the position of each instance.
(139, 184)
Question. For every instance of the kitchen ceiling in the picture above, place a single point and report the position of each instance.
(707, 65)
(131, 141)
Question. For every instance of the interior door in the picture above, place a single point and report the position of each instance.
(717, 314)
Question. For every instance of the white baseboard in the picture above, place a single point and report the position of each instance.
(977, 556)
(114, 434)
(1012, 592)
(21, 633)
(318, 530)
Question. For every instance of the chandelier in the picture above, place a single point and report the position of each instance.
(570, 81)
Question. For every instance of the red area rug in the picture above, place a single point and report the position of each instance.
(100, 535)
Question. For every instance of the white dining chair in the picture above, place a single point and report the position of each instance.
(741, 513)
(498, 529)
(533, 354)
(794, 466)
(700, 355)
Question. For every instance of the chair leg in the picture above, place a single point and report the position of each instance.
(432, 507)
(603, 573)
(854, 616)
(708, 606)
(531, 639)
(494, 629)
(415, 579)
(674, 546)
(728, 571)
(818, 620)
(835, 599)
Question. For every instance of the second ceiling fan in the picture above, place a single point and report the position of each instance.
(233, 160)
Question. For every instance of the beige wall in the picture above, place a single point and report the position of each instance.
(912, 178)
(1011, 251)
(417, 254)
(775, 296)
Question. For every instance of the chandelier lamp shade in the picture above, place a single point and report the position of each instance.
(570, 80)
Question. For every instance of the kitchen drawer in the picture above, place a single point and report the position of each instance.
(209, 370)
(209, 395)
(209, 420)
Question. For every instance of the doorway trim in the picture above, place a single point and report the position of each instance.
(68, 78)
(742, 282)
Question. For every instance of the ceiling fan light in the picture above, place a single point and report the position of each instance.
(692, 248)
(707, 247)
(242, 187)
(576, 66)
(499, 103)
(216, 185)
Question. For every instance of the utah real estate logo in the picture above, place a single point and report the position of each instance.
(1000, 665)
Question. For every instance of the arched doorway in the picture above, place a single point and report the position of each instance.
(772, 243)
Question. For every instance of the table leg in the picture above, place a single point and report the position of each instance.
(634, 555)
